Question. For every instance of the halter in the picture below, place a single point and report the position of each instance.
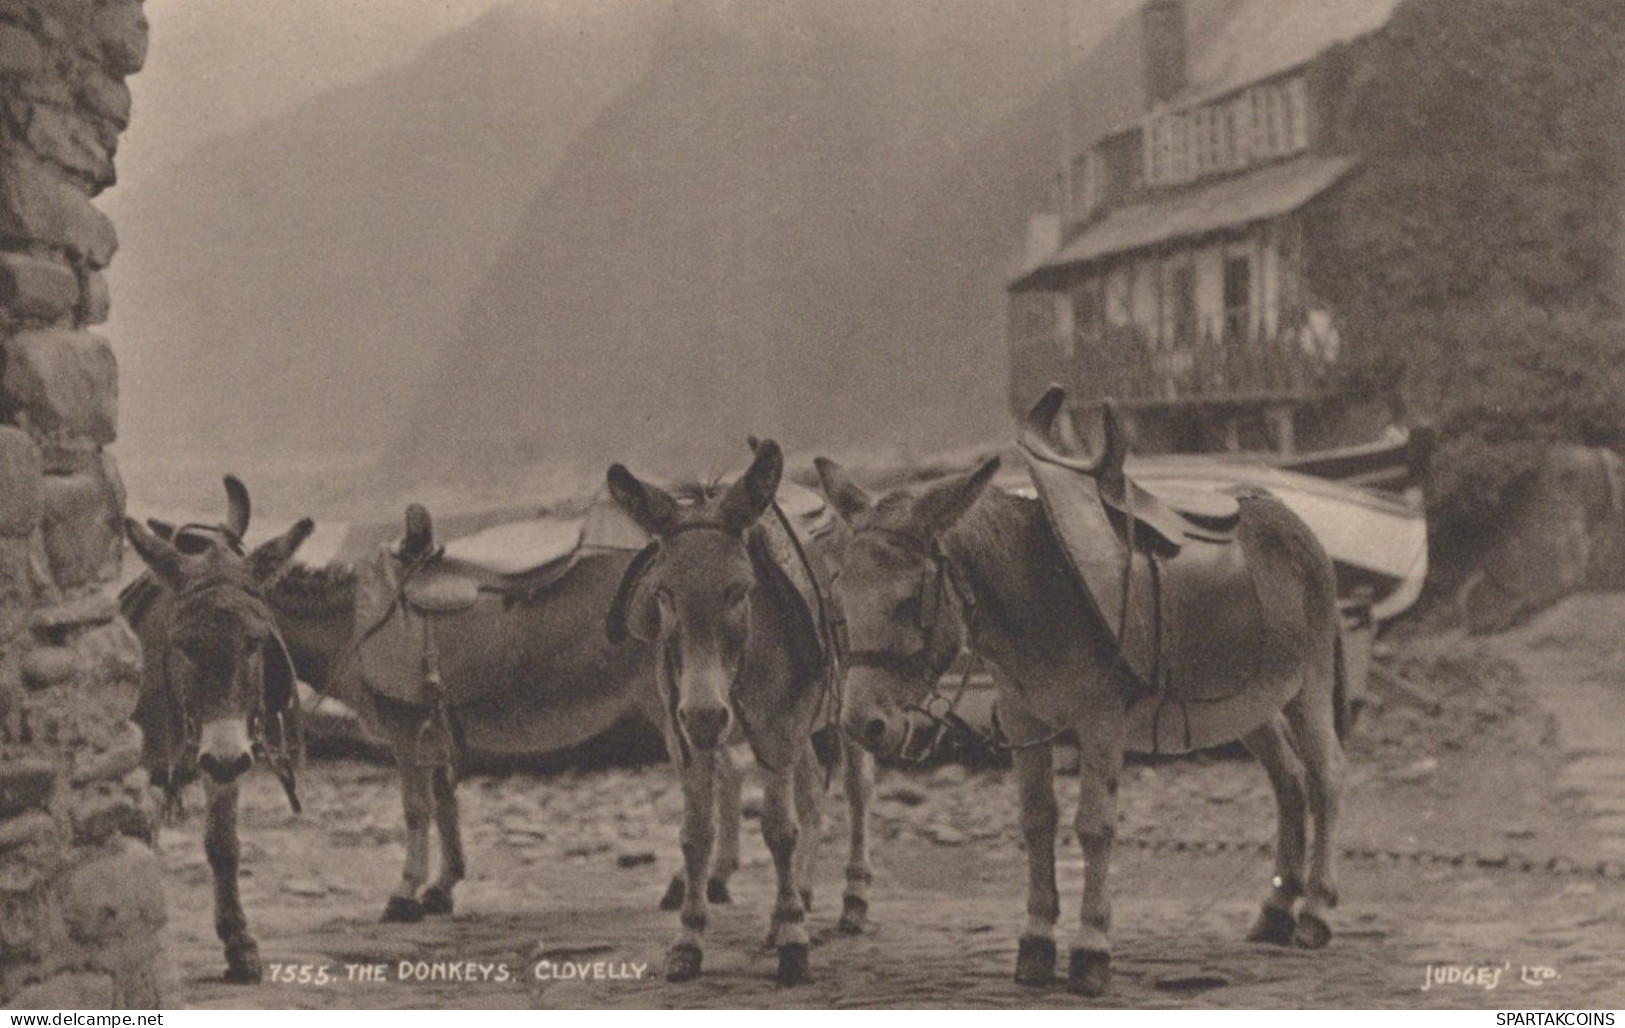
(831, 643)
(925, 662)
(187, 721)
(670, 683)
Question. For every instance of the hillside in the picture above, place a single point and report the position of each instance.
(300, 277)
(798, 223)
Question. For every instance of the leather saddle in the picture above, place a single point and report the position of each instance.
(1167, 575)
(405, 588)
(517, 559)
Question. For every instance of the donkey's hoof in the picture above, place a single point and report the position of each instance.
(1274, 926)
(716, 891)
(1312, 931)
(683, 962)
(243, 964)
(403, 910)
(854, 915)
(1035, 960)
(675, 894)
(435, 901)
(1089, 972)
(795, 965)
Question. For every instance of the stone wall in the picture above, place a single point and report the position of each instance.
(80, 898)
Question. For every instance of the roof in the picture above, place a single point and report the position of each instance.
(1262, 38)
(1231, 44)
(1233, 202)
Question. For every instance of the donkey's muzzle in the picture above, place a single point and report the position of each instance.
(706, 727)
(223, 752)
(873, 733)
(225, 769)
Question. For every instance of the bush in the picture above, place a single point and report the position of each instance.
(1476, 256)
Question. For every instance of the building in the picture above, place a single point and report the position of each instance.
(1177, 273)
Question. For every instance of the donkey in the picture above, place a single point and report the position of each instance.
(737, 656)
(929, 567)
(524, 668)
(217, 686)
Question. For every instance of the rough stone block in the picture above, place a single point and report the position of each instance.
(113, 907)
(121, 26)
(95, 301)
(37, 289)
(41, 204)
(105, 811)
(107, 96)
(64, 137)
(46, 666)
(21, 55)
(19, 483)
(81, 526)
(70, 13)
(79, 990)
(63, 382)
(110, 656)
(27, 917)
(53, 622)
(25, 784)
(17, 584)
(33, 829)
(112, 763)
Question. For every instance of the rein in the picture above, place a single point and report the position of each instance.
(929, 662)
(937, 708)
(282, 757)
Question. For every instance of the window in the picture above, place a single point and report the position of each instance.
(1266, 121)
(1086, 313)
(1181, 306)
(1238, 296)
(1119, 304)
(1297, 109)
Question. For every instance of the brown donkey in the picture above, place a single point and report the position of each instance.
(738, 656)
(520, 666)
(930, 566)
(217, 686)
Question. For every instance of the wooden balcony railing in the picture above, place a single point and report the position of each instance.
(1123, 364)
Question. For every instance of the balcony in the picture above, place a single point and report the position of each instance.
(1230, 368)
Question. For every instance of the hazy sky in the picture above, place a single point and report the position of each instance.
(218, 66)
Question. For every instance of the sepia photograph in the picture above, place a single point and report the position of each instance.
(729, 505)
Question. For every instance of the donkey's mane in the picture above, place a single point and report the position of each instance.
(694, 491)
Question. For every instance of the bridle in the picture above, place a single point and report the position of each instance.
(669, 678)
(931, 660)
(281, 756)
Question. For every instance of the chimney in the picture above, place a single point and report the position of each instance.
(1162, 27)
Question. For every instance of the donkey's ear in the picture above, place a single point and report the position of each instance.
(843, 493)
(748, 499)
(272, 557)
(939, 507)
(164, 530)
(238, 508)
(158, 553)
(650, 506)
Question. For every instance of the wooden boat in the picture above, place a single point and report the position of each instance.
(1377, 540)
